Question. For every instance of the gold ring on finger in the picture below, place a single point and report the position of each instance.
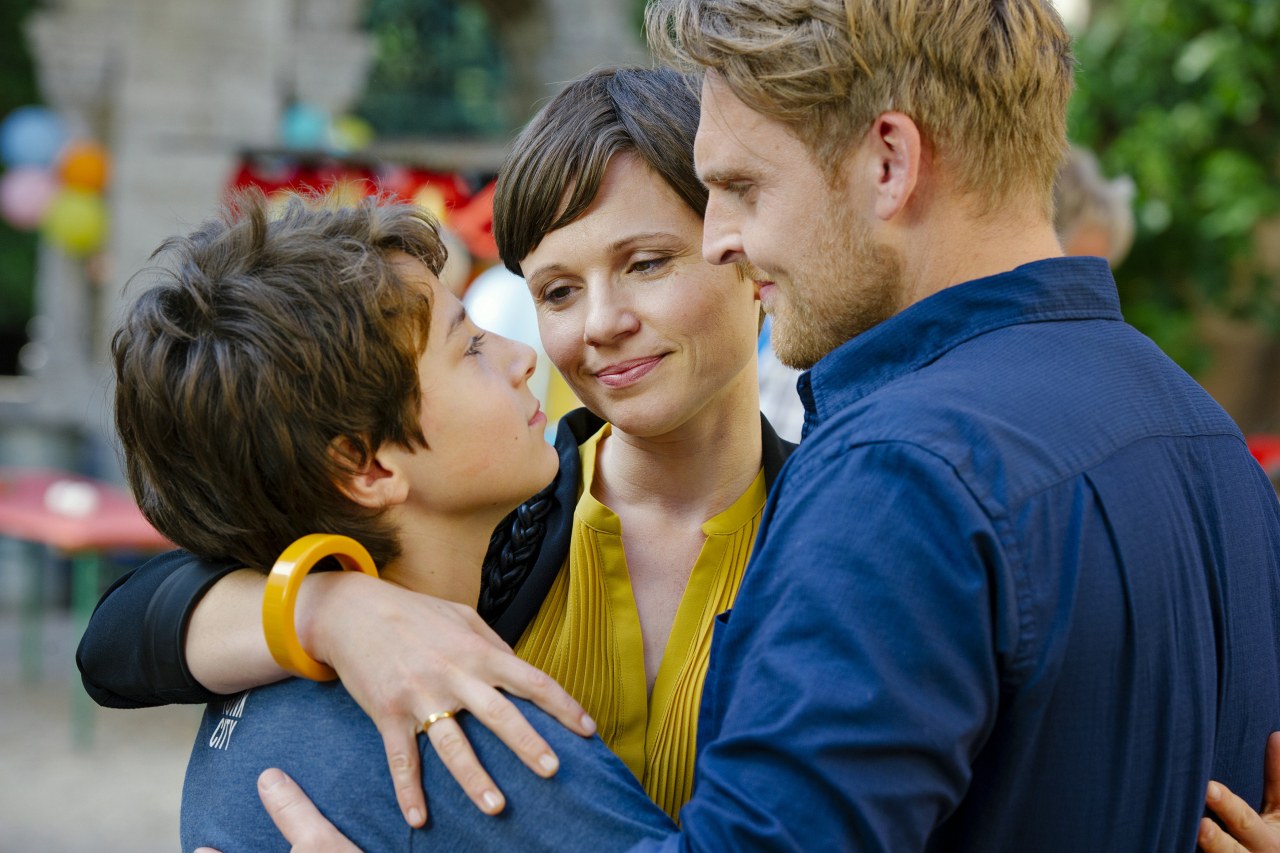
(435, 718)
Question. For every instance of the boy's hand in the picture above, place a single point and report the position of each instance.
(404, 656)
(1250, 832)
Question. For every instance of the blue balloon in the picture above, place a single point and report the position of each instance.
(31, 136)
(305, 127)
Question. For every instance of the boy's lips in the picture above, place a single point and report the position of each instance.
(539, 418)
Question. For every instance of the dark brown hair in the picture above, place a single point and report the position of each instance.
(272, 357)
(556, 164)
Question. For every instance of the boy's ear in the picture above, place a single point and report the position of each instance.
(377, 482)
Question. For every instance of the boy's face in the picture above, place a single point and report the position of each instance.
(485, 445)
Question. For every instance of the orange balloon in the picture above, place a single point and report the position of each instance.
(84, 166)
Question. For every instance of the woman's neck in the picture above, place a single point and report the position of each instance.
(441, 556)
(697, 470)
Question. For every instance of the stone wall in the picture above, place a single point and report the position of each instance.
(176, 90)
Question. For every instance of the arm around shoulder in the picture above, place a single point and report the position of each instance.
(131, 654)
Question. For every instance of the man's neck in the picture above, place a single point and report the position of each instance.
(956, 245)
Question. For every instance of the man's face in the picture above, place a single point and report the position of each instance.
(821, 274)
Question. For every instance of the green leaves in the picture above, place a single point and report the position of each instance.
(1182, 95)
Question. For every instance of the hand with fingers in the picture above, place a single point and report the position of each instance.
(412, 661)
(1250, 832)
(297, 818)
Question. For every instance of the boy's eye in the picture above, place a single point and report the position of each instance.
(477, 342)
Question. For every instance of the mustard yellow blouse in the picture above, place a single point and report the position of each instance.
(587, 636)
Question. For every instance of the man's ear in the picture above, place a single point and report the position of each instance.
(377, 482)
(895, 148)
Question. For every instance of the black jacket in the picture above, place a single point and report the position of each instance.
(131, 655)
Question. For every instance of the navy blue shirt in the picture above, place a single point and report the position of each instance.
(1017, 590)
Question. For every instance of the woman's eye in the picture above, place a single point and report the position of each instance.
(644, 265)
(477, 342)
(557, 294)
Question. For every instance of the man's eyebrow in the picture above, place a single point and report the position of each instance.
(710, 178)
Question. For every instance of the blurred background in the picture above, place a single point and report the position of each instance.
(125, 121)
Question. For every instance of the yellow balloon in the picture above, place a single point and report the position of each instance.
(430, 198)
(351, 133)
(76, 222)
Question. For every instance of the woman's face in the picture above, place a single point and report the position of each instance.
(485, 445)
(646, 332)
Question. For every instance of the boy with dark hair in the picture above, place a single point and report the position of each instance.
(307, 373)
(270, 362)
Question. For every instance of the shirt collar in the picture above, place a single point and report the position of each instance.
(1074, 288)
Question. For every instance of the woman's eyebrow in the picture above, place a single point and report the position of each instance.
(619, 245)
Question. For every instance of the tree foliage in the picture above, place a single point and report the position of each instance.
(1183, 95)
(438, 70)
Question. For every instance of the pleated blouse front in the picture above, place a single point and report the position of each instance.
(587, 636)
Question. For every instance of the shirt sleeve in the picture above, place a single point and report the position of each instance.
(856, 677)
(131, 654)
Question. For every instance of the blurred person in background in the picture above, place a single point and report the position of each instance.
(1092, 214)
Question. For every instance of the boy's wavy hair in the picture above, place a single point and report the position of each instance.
(270, 357)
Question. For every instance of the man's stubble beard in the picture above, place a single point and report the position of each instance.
(851, 285)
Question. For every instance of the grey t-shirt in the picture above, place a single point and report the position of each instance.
(321, 737)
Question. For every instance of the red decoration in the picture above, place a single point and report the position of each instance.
(448, 195)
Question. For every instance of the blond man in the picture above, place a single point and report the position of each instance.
(1017, 589)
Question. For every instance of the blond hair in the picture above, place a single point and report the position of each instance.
(987, 82)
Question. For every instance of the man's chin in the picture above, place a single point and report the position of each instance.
(790, 344)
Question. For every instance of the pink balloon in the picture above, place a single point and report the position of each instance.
(25, 195)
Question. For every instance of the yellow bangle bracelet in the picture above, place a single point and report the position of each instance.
(281, 596)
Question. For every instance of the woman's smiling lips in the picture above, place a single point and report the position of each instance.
(626, 373)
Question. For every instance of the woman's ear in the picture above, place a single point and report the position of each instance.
(377, 482)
